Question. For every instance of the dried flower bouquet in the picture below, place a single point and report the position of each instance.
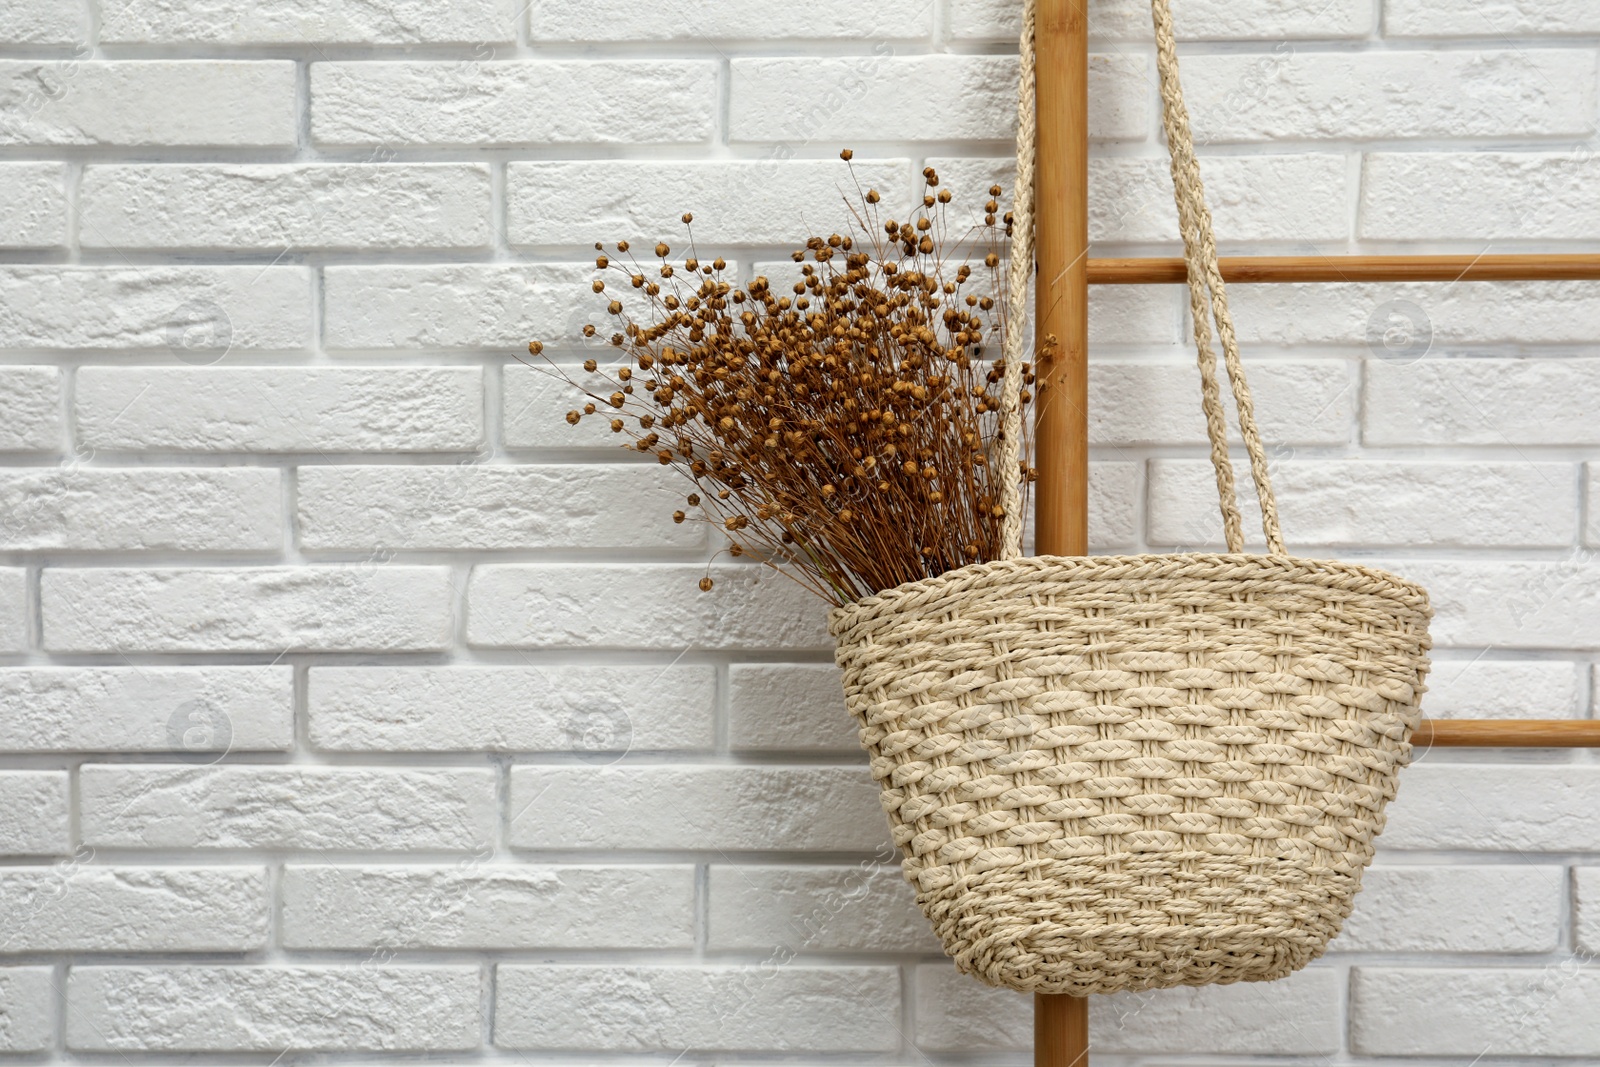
(843, 429)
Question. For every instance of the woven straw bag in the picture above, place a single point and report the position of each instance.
(1133, 772)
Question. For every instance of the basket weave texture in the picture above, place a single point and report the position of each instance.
(1132, 772)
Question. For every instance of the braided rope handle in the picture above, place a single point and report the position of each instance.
(1206, 288)
(1019, 270)
(1208, 300)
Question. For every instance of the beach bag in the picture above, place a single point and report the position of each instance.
(1133, 772)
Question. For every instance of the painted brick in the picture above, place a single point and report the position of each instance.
(13, 609)
(281, 409)
(1114, 491)
(269, 1009)
(534, 404)
(954, 1011)
(727, 808)
(787, 1008)
(1423, 317)
(1495, 807)
(961, 97)
(791, 706)
(140, 509)
(1287, 198)
(30, 409)
(353, 608)
(616, 20)
(641, 606)
(366, 808)
(790, 909)
(454, 306)
(35, 813)
(43, 22)
(1134, 314)
(1200, 20)
(1510, 604)
(493, 507)
(1376, 503)
(1482, 402)
(33, 205)
(1586, 903)
(1256, 198)
(285, 207)
(1505, 689)
(1591, 529)
(746, 202)
(330, 22)
(1485, 1011)
(1132, 403)
(27, 1009)
(513, 103)
(1421, 909)
(488, 906)
(1288, 95)
(1464, 18)
(133, 909)
(161, 102)
(192, 313)
(534, 708)
(1299, 1015)
(1472, 687)
(1478, 196)
(146, 709)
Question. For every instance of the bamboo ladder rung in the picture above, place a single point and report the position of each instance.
(1246, 269)
(1507, 733)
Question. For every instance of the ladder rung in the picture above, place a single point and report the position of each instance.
(1507, 733)
(1506, 268)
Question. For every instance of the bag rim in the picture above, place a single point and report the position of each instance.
(1244, 567)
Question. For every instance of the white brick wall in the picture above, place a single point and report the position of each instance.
(26, 1009)
(174, 22)
(554, 708)
(344, 906)
(1391, 94)
(105, 908)
(147, 709)
(717, 1008)
(260, 1009)
(149, 103)
(517, 102)
(121, 308)
(354, 706)
(274, 207)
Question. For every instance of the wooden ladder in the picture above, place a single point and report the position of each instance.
(1061, 1023)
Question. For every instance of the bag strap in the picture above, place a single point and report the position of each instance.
(1208, 299)
(1207, 293)
(1019, 271)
